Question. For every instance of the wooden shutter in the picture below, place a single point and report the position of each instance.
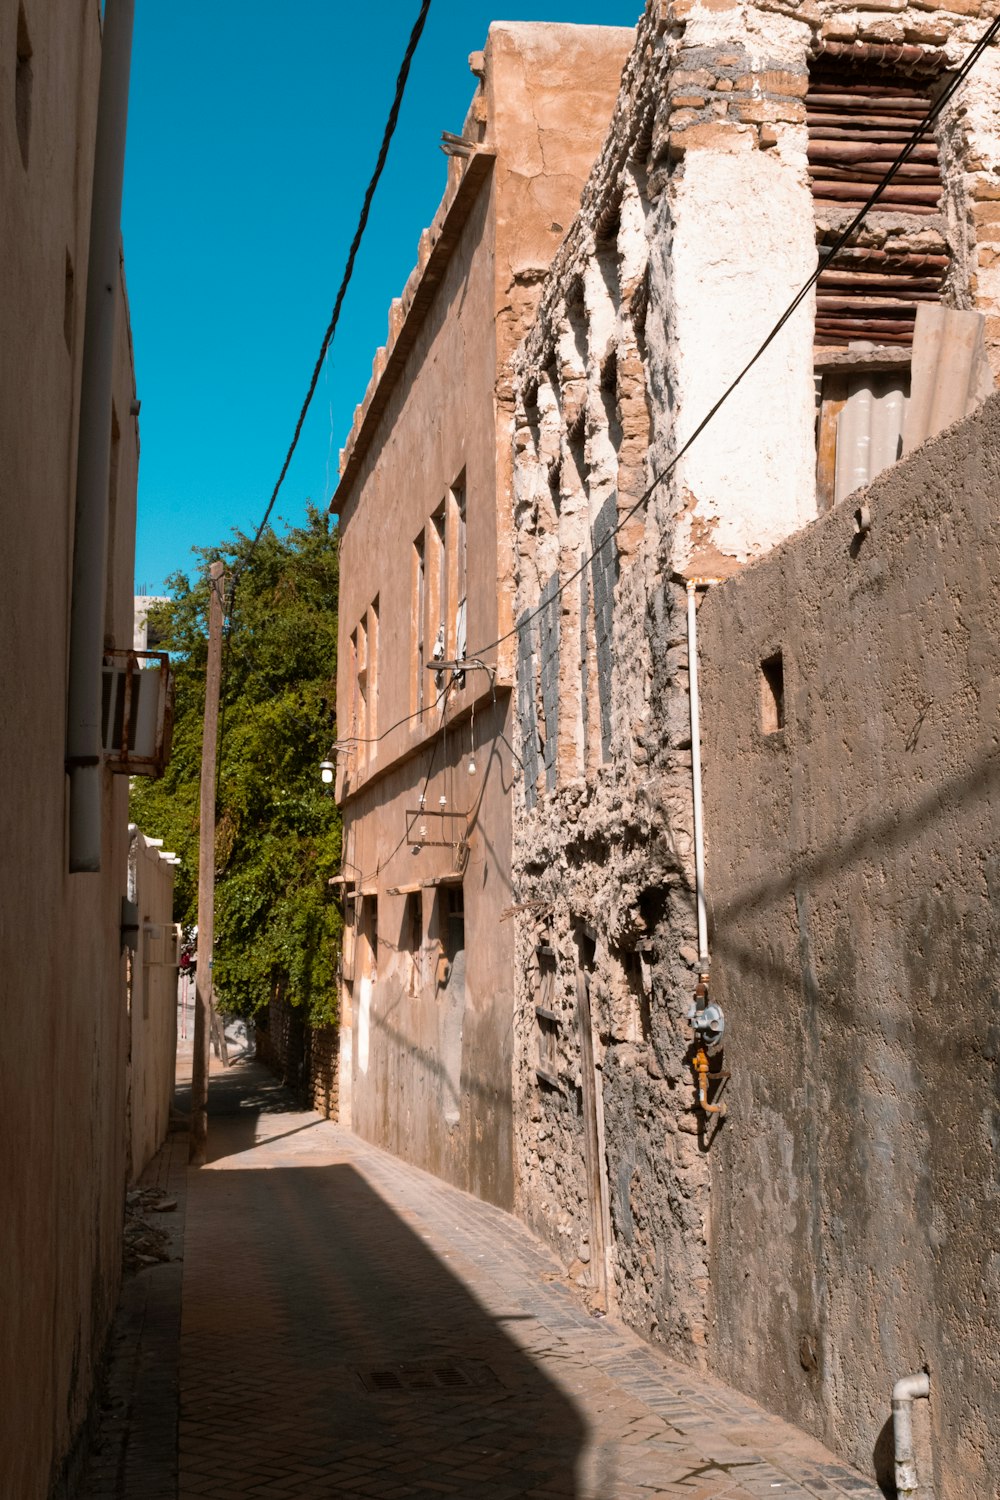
(859, 117)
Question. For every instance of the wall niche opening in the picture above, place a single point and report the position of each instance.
(22, 86)
(772, 693)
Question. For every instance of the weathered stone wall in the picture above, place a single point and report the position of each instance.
(306, 1058)
(63, 1146)
(696, 229)
(853, 878)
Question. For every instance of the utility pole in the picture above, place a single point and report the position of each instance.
(203, 1003)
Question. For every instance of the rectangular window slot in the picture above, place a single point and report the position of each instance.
(635, 978)
(457, 571)
(69, 304)
(419, 621)
(22, 86)
(772, 694)
(371, 729)
(413, 927)
(547, 1022)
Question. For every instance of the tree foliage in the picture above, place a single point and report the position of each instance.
(278, 833)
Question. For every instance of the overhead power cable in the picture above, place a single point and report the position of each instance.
(387, 135)
(841, 240)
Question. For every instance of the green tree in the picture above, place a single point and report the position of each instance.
(278, 834)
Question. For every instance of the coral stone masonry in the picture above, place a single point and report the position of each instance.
(745, 138)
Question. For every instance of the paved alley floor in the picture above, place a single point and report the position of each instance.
(349, 1326)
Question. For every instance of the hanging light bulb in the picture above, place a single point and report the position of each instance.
(471, 768)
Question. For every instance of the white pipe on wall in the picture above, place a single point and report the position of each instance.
(904, 1393)
(699, 819)
(90, 537)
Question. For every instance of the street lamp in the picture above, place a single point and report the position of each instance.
(327, 771)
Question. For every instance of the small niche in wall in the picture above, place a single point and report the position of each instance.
(69, 304)
(635, 969)
(772, 693)
(547, 1021)
(22, 86)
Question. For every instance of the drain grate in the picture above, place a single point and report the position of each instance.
(426, 1375)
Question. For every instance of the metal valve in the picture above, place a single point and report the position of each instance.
(706, 1018)
(708, 1023)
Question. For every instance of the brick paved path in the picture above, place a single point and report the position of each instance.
(351, 1327)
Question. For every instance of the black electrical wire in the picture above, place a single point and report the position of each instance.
(834, 250)
(918, 134)
(921, 130)
(387, 135)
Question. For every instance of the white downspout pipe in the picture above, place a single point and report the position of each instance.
(90, 537)
(911, 1388)
(699, 816)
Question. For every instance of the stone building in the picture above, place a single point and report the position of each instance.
(425, 760)
(64, 1147)
(745, 136)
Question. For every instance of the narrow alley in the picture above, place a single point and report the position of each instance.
(337, 1323)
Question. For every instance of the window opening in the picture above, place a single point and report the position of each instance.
(555, 492)
(859, 115)
(438, 591)
(419, 612)
(859, 428)
(634, 968)
(23, 80)
(608, 227)
(547, 1021)
(576, 442)
(414, 938)
(373, 665)
(361, 652)
(69, 304)
(371, 909)
(609, 401)
(772, 694)
(457, 583)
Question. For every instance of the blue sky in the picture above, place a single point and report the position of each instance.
(253, 130)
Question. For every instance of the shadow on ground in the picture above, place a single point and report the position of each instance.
(328, 1348)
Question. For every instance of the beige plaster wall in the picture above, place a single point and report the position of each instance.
(63, 1158)
(152, 1003)
(431, 1087)
(854, 888)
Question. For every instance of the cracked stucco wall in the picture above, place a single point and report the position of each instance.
(695, 230)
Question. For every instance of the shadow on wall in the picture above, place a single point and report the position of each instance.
(384, 1358)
